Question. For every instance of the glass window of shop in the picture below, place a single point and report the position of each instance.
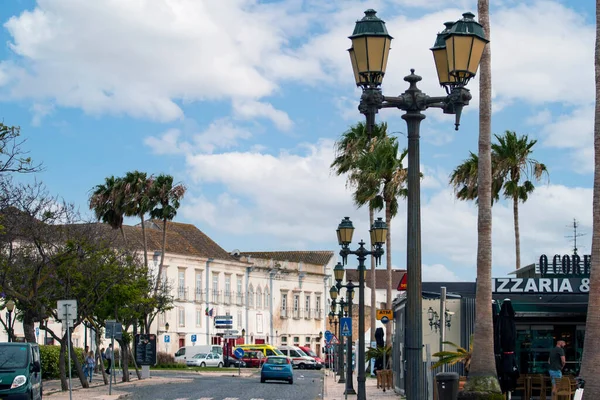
(534, 343)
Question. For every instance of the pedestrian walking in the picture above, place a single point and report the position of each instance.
(90, 362)
(557, 363)
(109, 355)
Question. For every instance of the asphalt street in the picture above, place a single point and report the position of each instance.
(308, 385)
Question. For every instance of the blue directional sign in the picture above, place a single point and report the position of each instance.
(385, 320)
(346, 324)
(328, 336)
(37, 331)
(193, 338)
(238, 353)
(167, 339)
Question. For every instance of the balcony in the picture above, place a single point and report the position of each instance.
(318, 313)
(215, 296)
(239, 298)
(307, 313)
(284, 312)
(198, 295)
(182, 293)
(227, 298)
(296, 314)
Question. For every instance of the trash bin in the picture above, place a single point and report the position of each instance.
(447, 385)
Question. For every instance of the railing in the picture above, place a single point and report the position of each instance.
(182, 293)
(199, 295)
(215, 296)
(318, 313)
(284, 312)
(239, 298)
(307, 313)
(296, 313)
(227, 298)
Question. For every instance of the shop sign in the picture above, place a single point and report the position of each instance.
(565, 265)
(541, 285)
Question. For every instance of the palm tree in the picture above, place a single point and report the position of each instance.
(381, 176)
(512, 171)
(107, 202)
(353, 144)
(165, 198)
(136, 190)
(461, 355)
(591, 353)
(483, 363)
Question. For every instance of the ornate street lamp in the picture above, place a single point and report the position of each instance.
(378, 234)
(457, 52)
(338, 272)
(10, 306)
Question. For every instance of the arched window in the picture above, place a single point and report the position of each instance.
(251, 296)
(258, 298)
(267, 298)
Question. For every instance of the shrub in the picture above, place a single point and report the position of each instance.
(50, 356)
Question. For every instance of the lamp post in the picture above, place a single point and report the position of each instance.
(340, 314)
(457, 52)
(378, 233)
(338, 273)
(10, 306)
(333, 321)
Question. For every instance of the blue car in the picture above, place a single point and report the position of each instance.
(277, 368)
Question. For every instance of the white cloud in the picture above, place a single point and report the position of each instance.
(438, 273)
(167, 143)
(252, 109)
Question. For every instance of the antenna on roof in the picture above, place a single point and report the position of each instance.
(575, 235)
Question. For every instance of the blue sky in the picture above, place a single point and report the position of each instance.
(242, 101)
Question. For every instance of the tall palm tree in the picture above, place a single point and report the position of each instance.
(136, 190)
(512, 172)
(591, 353)
(483, 364)
(165, 200)
(353, 144)
(107, 202)
(381, 176)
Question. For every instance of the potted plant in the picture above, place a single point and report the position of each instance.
(384, 377)
(460, 354)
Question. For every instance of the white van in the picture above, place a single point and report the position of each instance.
(187, 352)
(299, 358)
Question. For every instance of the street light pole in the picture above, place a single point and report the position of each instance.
(349, 384)
(457, 52)
(342, 379)
(10, 306)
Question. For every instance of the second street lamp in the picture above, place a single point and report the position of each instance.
(457, 52)
(338, 273)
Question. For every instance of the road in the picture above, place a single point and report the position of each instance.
(308, 385)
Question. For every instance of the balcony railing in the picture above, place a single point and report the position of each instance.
(199, 295)
(239, 298)
(318, 313)
(215, 296)
(227, 298)
(284, 312)
(307, 313)
(296, 314)
(182, 293)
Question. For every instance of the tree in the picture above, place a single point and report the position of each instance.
(381, 176)
(482, 376)
(165, 201)
(108, 203)
(352, 145)
(12, 157)
(136, 191)
(591, 353)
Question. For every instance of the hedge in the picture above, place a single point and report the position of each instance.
(50, 356)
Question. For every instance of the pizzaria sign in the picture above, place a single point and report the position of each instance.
(541, 285)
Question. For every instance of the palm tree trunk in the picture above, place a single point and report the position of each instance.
(162, 255)
(145, 242)
(388, 260)
(373, 284)
(591, 354)
(517, 233)
(123, 234)
(482, 374)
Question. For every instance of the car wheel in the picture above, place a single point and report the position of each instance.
(220, 365)
(203, 365)
(291, 381)
(301, 366)
(262, 380)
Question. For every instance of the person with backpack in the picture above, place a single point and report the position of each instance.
(109, 356)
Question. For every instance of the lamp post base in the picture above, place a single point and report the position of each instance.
(350, 391)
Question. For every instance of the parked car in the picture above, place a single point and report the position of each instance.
(205, 360)
(299, 358)
(266, 349)
(188, 352)
(253, 358)
(20, 371)
(277, 368)
(233, 362)
(320, 362)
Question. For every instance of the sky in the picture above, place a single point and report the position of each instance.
(243, 100)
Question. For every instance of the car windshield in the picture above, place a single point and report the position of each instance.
(276, 360)
(200, 355)
(279, 353)
(311, 353)
(301, 353)
(12, 357)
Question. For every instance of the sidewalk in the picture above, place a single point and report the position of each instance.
(335, 391)
(99, 391)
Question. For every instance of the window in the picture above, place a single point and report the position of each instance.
(163, 278)
(308, 340)
(284, 305)
(181, 316)
(198, 317)
(198, 285)
(215, 288)
(227, 289)
(283, 340)
(307, 306)
(163, 318)
(294, 353)
(181, 284)
(267, 299)
(239, 319)
(239, 290)
(296, 340)
(270, 352)
(318, 307)
(258, 298)
(296, 306)
(250, 297)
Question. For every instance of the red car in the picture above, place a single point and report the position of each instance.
(253, 359)
(320, 362)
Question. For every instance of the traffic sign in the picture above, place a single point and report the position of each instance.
(385, 320)
(385, 313)
(224, 321)
(238, 353)
(167, 339)
(231, 332)
(193, 338)
(402, 285)
(334, 340)
(37, 331)
(231, 336)
(346, 324)
(328, 336)
(113, 329)
(66, 310)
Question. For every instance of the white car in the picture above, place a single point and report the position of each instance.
(205, 360)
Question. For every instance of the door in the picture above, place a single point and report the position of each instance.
(181, 342)
(210, 362)
(36, 377)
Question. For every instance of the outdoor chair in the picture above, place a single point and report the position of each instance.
(537, 385)
(523, 385)
(563, 389)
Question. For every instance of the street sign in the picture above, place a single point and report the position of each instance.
(385, 313)
(231, 332)
(385, 320)
(402, 285)
(193, 338)
(238, 353)
(145, 349)
(37, 332)
(113, 328)
(328, 336)
(167, 339)
(346, 324)
(334, 340)
(66, 310)
(231, 337)
(224, 321)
